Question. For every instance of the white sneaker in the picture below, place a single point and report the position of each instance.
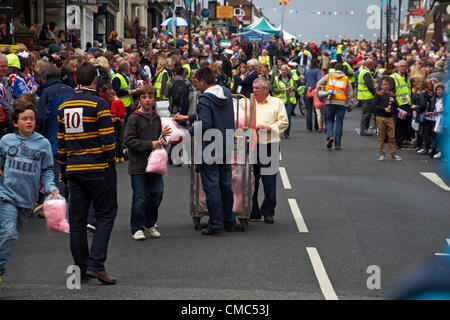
(139, 235)
(381, 158)
(153, 231)
(437, 155)
(396, 157)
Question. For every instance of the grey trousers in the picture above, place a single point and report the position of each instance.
(367, 111)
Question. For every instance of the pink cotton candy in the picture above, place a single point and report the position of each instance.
(177, 133)
(157, 161)
(241, 106)
(55, 214)
(237, 172)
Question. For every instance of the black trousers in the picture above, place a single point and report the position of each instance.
(100, 189)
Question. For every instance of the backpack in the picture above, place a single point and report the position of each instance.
(176, 94)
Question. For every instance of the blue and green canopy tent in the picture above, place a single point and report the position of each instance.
(255, 35)
(263, 25)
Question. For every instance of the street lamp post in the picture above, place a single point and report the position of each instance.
(388, 30)
(189, 27)
(398, 28)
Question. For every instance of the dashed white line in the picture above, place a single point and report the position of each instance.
(301, 225)
(321, 274)
(433, 177)
(281, 158)
(284, 178)
(443, 254)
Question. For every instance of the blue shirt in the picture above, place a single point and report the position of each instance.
(312, 77)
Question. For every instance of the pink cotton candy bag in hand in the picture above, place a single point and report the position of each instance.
(177, 133)
(55, 209)
(157, 161)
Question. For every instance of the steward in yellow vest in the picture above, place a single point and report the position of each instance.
(265, 59)
(363, 90)
(162, 79)
(121, 84)
(402, 89)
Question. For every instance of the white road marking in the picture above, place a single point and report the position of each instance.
(301, 225)
(443, 254)
(433, 177)
(321, 274)
(448, 241)
(280, 156)
(284, 178)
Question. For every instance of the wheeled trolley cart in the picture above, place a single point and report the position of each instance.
(242, 170)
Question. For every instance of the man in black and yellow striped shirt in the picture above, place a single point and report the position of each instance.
(86, 154)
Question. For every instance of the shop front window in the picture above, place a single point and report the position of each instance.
(55, 11)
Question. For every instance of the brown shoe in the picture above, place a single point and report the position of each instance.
(268, 219)
(101, 276)
(337, 148)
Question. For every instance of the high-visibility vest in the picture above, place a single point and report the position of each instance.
(330, 71)
(381, 71)
(158, 85)
(363, 90)
(339, 86)
(339, 49)
(188, 68)
(402, 90)
(283, 95)
(295, 75)
(264, 59)
(350, 69)
(124, 85)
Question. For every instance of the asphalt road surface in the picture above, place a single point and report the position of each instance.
(340, 216)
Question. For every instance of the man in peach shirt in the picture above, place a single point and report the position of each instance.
(271, 121)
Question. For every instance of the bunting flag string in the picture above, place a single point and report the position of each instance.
(338, 36)
(315, 12)
(318, 12)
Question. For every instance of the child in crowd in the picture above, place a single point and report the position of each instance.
(437, 113)
(385, 106)
(319, 106)
(26, 159)
(143, 134)
(425, 127)
(118, 113)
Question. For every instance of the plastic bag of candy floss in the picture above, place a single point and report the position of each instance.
(55, 209)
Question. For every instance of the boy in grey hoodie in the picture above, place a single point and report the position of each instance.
(26, 159)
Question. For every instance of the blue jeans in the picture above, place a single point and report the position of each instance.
(333, 111)
(148, 189)
(100, 189)
(289, 108)
(216, 182)
(12, 219)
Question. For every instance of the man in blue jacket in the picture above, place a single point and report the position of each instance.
(215, 111)
(53, 94)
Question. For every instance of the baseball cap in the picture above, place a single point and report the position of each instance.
(13, 61)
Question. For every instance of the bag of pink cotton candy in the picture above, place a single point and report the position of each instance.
(55, 209)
